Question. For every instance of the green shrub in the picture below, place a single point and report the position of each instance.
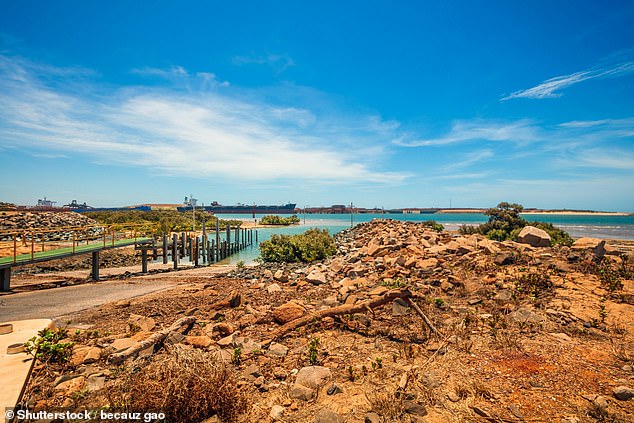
(433, 225)
(505, 223)
(46, 346)
(314, 244)
(278, 220)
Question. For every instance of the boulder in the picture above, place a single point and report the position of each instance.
(287, 312)
(313, 376)
(302, 392)
(273, 288)
(277, 350)
(534, 237)
(597, 246)
(202, 341)
(280, 276)
(316, 277)
(277, 412)
(623, 393)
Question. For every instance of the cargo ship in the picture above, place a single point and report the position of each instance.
(243, 209)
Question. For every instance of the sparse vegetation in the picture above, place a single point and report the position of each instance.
(159, 221)
(314, 244)
(433, 225)
(185, 384)
(533, 284)
(505, 223)
(276, 220)
(313, 352)
(47, 346)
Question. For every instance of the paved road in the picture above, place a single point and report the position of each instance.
(52, 303)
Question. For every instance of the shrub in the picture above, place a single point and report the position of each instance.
(433, 225)
(505, 223)
(46, 346)
(314, 244)
(278, 220)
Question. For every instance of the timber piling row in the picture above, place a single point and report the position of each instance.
(207, 248)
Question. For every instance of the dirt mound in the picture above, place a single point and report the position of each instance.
(524, 334)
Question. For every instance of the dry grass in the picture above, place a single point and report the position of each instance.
(386, 405)
(185, 384)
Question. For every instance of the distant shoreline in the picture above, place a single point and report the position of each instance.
(549, 212)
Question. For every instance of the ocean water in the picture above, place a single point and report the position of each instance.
(607, 227)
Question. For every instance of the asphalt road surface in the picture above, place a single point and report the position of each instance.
(55, 302)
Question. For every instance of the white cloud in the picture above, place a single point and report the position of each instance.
(520, 131)
(203, 134)
(616, 66)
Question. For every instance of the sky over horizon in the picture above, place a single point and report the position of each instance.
(383, 104)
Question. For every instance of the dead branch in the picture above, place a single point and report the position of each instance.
(363, 306)
(153, 339)
(428, 322)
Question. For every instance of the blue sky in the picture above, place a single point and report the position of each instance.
(388, 104)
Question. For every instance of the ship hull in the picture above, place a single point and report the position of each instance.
(244, 209)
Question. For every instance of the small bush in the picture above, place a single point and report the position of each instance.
(433, 225)
(314, 244)
(46, 346)
(278, 220)
(313, 351)
(534, 284)
(505, 223)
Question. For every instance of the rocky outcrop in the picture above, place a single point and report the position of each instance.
(597, 246)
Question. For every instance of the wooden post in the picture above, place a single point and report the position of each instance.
(196, 252)
(73, 241)
(256, 236)
(32, 245)
(228, 236)
(184, 244)
(95, 266)
(217, 253)
(175, 251)
(203, 247)
(5, 279)
(164, 248)
(212, 251)
(143, 260)
(154, 249)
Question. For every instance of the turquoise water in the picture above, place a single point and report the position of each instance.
(609, 227)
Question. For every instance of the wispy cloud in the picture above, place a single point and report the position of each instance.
(617, 65)
(179, 74)
(520, 131)
(280, 62)
(202, 134)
